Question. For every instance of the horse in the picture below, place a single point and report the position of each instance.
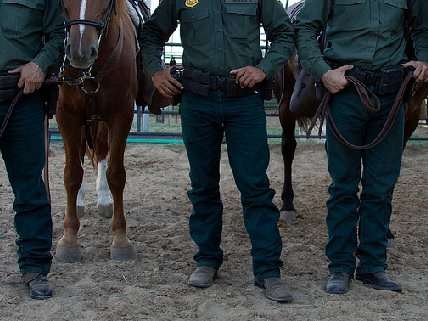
(95, 115)
(284, 87)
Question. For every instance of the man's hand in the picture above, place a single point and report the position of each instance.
(421, 70)
(334, 80)
(249, 76)
(166, 84)
(31, 79)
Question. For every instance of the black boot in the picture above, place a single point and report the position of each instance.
(338, 283)
(378, 281)
(38, 285)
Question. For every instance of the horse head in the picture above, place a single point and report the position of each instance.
(86, 22)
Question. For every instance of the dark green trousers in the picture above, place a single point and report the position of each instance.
(243, 121)
(358, 223)
(22, 149)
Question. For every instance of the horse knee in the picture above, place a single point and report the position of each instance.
(116, 178)
(73, 177)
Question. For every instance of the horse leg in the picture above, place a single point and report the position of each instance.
(82, 191)
(104, 199)
(288, 148)
(68, 248)
(412, 122)
(121, 249)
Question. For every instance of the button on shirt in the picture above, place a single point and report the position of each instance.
(368, 33)
(220, 35)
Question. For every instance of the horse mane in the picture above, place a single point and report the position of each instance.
(121, 7)
(121, 12)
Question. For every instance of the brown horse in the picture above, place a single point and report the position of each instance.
(98, 112)
(285, 81)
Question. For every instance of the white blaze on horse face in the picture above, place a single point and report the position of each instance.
(103, 190)
(81, 196)
(83, 7)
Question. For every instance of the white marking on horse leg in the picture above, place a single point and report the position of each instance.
(80, 203)
(82, 27)
(103, 190)
(81, 196)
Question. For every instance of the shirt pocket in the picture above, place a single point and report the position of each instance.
(195, 27)
(349, 15)
(22, 17)
(240, 16)
(393, 14)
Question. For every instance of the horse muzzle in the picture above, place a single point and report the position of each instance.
(81, 57)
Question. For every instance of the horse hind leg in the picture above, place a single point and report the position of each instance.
(104, 199)
(81, 203)
(288, 147)
(121, 249)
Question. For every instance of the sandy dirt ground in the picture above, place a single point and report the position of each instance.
(154, 286)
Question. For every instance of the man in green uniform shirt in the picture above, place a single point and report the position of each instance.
(31, 39)
(223, 72)
(365, 38)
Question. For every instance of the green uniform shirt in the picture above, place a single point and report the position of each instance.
(220, 35)
(31, 30)
(368, 33)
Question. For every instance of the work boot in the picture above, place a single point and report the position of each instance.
(38, 285)
(378, 281)
(338, 283)
(203, 277)
(275, 289)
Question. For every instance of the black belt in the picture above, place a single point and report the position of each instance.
(386, 80)
(386, 76)
(202, 83)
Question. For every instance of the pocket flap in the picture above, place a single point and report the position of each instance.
(193, 14)
(33, 4)
(402, 4)
(246, 7)
(348, 2)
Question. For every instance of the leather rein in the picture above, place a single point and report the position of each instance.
(370, 102)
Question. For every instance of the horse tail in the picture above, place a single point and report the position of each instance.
(97, 141)
(91, 129)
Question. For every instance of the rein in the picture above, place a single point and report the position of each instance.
(369, 101)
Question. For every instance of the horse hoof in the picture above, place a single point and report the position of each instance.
(66, 254)
(289, 217)
(80, 211)
(123, 253)
(105, 211)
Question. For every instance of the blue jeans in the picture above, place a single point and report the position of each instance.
(205, 121)
(23, 151)
(376, 170)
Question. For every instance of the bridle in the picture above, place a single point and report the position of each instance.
(101, 26)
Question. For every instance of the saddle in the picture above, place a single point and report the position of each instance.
(147, 95)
